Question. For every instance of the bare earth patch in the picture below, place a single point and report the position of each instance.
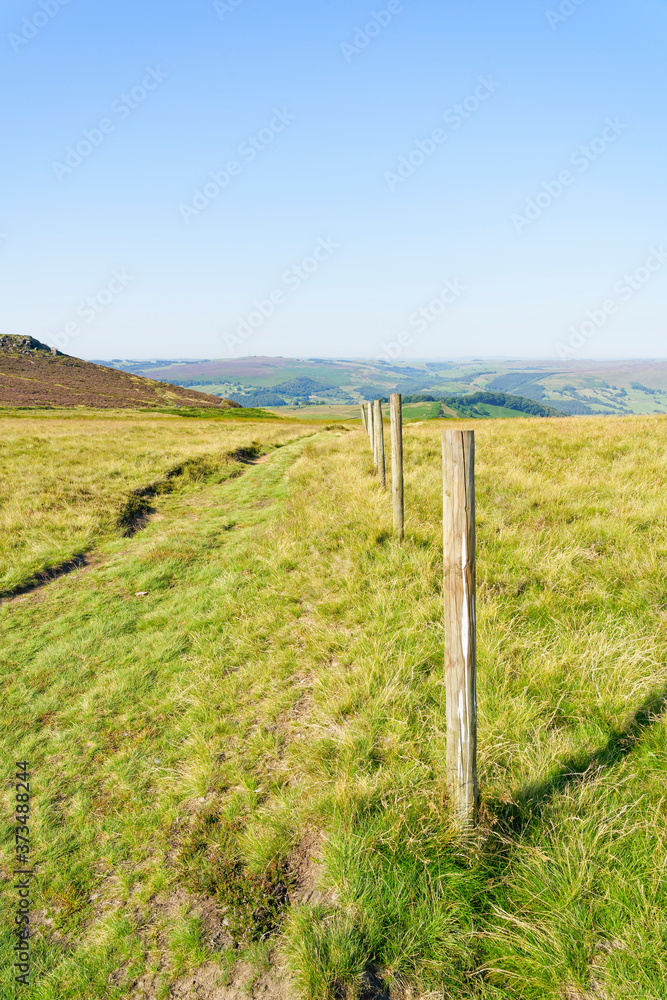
(307, 869)
(208, 983)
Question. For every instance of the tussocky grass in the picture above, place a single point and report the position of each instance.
(283, 675)
(65, 477)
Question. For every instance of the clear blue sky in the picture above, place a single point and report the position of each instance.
(325, 168)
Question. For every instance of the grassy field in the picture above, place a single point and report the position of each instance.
(422, 411)
(502, 412)
(69, 478)
(325, 413)
(411, 411)
(235, 721)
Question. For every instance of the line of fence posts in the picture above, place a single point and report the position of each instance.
(459, 564)
(379, 442)
(372, 422)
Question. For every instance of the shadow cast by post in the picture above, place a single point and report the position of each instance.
(530, 803)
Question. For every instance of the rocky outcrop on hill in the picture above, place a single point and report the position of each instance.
(33, 374)
(11, 344)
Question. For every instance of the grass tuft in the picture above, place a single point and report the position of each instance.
(252, 903)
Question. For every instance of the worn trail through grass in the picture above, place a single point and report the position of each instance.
(124, 668)
(71, 480)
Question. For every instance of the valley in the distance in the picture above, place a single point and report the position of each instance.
(572, 387)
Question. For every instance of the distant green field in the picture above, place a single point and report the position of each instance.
(422, 411)
(488, 410)
(431, 411)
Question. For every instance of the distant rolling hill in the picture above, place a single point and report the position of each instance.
(582, 387)
(31, 374)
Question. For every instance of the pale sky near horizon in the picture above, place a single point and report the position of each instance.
(418, 177)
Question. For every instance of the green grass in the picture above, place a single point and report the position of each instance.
(281, 685)
(422, 411)
(210, 413)
(488, 410)
(69, 479)
(431, 411)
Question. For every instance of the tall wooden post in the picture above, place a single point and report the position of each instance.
(458, 463)
(369, 422)
(371, 431)
(397, 461)
(379, 443)
(363, 417)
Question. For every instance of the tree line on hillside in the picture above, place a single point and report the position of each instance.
(463, 404)
(297, 388)
(502, 399)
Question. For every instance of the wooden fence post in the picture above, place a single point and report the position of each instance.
(371, 431)
(397, 461)
(363, 417)
(369, 423)
(458, 466)
(379, 443)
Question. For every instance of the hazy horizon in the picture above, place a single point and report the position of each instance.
(362, 357)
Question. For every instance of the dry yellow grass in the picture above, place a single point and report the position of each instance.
(63, 478)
